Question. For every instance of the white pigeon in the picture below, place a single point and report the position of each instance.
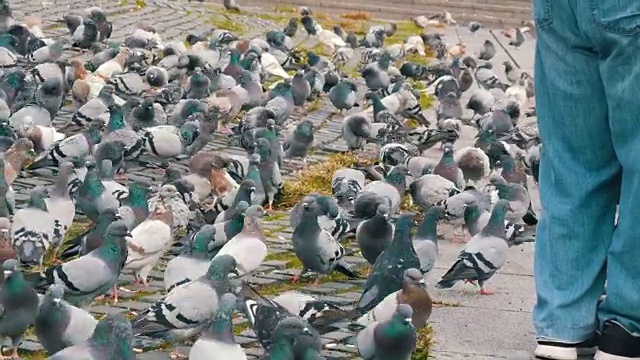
(148, 243)
(272, 66)
(248, 247)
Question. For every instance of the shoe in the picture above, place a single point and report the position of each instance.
(562, 351)
(617, 343)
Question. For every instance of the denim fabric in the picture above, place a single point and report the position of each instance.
(587, 74)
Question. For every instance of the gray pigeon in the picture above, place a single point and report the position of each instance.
(218, 338)
(392, 188)
(392, 339)
(299, 141)
(316, 248)
(300, 89)
(269, 319)
(483, 255)
(519, 39)
(226, 230)
(328, 206)
(248, 247)
(516, 194)
(375, 234)
(356, 129)
(488, 51)
(49, 95)
(112, 338)
(93, 274)
(269, 171)
(60, 324)
(187, 309)
(387, 272)
(345, 186)
(231, 5)
(193, 263)
(425, 243)
(18, 305)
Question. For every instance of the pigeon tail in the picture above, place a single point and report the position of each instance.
(530, 218)
(445, 284)
(75, 245)
(346, 269)
(42, 162)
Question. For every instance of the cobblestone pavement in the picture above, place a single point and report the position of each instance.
(466, 325)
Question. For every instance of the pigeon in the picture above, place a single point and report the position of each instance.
(112, 338)
(193, 263)
(231, 5)
(448, 169)
(299, 141)
(135, 208)
(488, 51)
(19, 304)
(269, 171)
(169, 198)
(95, 196)
(32, 239)
(218, 337)
(483, 255)
(344, 95)
(91, 275)
(391, 189)
(518, 40)
(59, 324)
(186, 310)
(79, 145)
(248, 247)
(328, 207)
(387, 272)
(375, 234)
(60, 206)
(516, 194)
(474, 26)
(91, 238)
(391, 339)
(413, 293)
(265, 317)
(425, 243)
(316, 248)
(345, 186)
(431, 189)
(148, 242)
(227, 230)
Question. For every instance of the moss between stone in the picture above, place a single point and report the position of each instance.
(423, 344)
(316, 178)
(227, 23)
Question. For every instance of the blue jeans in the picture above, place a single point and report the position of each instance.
(587, 74)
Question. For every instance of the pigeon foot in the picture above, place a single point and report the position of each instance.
(175, 354)
(484, 291)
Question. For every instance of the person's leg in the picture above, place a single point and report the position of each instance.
(617, 30)
(579, 183)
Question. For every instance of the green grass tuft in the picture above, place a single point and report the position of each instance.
(227, 23)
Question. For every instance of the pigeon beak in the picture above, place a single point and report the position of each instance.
(7, 273)
(408, 320)
(128, 234)
(306, 331)
(236, 272)
(56, 301)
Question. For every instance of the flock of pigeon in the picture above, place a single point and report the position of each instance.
(149, 102)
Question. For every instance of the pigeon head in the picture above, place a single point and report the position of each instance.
(255, 211)
(169, 191)
(328, 205)
(248, 185)
(383, 210)
(221, 266)
(405, 222)
(403, 313)
(109, 215)
(413, 277)
(291, 328)
(10, 266)
(254, 159)
(497, 179)
(118, 229)
(55, 293)
(193, 39)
